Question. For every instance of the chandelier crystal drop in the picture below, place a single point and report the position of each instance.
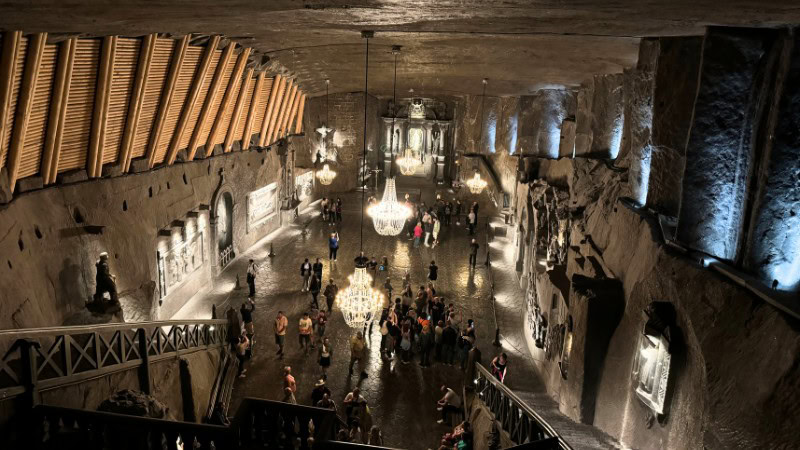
(389, 216)
(476, 184)
(359, 302)
(326, 175)
(409, 162)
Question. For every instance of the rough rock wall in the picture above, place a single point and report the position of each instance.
(541, 117)
(48, 271)
(600, 116)
(346, 115)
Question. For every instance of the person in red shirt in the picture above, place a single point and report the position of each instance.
(417, 234)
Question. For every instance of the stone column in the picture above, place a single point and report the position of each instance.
(721, 146)
(540, 119)
(773, 250)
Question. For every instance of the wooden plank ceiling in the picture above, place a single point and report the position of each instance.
(82, 104)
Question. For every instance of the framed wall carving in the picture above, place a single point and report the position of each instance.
(262, 204)
(304, 184)
(178, 263)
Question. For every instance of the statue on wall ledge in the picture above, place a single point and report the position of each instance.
(106, 282)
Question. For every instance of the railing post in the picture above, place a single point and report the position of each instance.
(144, 368)
(31, 372)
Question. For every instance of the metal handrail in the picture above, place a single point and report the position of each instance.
(510, 409)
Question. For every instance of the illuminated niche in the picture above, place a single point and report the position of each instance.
(652, 362)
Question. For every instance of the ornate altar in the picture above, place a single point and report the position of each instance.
(419, 125)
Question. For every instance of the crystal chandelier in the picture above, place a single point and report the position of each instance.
(409, 162)
(389, 216)
(476, 184)
(359, 302)
(326, 175)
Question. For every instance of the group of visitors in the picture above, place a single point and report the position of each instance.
(426, 222)
(331, 210)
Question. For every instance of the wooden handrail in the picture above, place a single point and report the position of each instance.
(77, 329)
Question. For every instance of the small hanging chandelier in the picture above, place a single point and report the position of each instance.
(359, 302)
(389, 216)
(476, 184)
(326, 175)
(409, 163)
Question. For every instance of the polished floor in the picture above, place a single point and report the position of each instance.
(402, 397)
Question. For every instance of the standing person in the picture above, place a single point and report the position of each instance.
(449, 337)
(425, 344)
(281, 323)
(319, 392)
(314, 286)
(357, 349)
(448, 211)
(247, 316)
(450, 402)
(372, 265)
(241, 349)
(458, 212)
(288, 380)
(428, 226)
(473, 253)
(251, 277)
(388, 287)
(498, 366)
(475, 207)
(406, 280)
(325, 355)
(437, 226)
(338, 209)
(288, 397)
(352, 401)
(433, 272)
(305, 330)
(331, 213)
(333, 246)
(417, 234)
(322, 322)
(471, 220)
(384, 265)
(330, 294)
(317, 268)
(437, 340)
(305, 272)
(324, 205)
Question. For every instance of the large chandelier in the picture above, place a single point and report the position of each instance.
(359, 302)
(476, 184)
(409, 162)
(389, 216)
(326, 175)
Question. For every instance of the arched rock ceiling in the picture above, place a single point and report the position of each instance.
(449, 45)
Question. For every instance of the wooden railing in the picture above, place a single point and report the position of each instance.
(226, 256)
(520, 421)
(35, 360)
(258, 424)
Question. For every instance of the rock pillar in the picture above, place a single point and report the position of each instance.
(600, 117)
(539, 127)
(721, 146)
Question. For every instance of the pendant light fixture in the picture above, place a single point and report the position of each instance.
(389, 216)
(326, 175)
(476, 184)
(359, 302)
(412, 157)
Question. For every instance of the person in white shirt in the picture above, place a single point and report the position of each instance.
(450, 402)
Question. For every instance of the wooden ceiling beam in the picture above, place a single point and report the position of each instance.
(8, 63)
(251, 114)
(298, 127)
(33, 63)
(178, 56)
(274, 96)
(213, 92)
(293, 112)
(237, 111)
(94, 161)
(230, 92)
(137, 97)
(191, 101)
(287, 113)
(273, 128)
(58, 110)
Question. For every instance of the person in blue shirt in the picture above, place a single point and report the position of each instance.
(333, 246)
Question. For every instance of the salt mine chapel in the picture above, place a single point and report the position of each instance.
(399, 224)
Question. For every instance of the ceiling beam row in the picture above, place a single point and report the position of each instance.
(208, 100)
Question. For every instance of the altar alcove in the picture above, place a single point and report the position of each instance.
(422, 125)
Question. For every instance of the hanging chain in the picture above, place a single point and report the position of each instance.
(483, 103)
(360, 169)
(394, 115)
